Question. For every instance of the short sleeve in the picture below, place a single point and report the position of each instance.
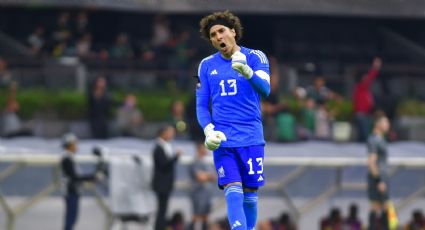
(372, 146)
(194, 169)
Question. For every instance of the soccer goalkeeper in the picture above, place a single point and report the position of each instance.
(233, 80)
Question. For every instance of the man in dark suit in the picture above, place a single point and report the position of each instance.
(165, 160)
(73, 180)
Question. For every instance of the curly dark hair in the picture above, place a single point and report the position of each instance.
(226, 17)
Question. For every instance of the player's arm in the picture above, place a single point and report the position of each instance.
(372, 165)
(162, 161)
(203, 96)
(202, 176)
(373, 169)
(258, 74)
(213, 138)
(372, 159)
(69, 170)
(373, 72)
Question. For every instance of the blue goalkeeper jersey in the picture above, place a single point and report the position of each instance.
(235, 103)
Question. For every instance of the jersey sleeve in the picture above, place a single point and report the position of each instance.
(203, 96)
(372, 146)
(260, 79)
(259, 61)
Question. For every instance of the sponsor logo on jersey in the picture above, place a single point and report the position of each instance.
(214, 72)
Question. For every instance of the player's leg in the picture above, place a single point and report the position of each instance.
(378, 216)
(230, 179)
(375, 210)
(196, 218)
(201, 208)
(162, 199)
(251, 165)
(250, 207)
(385, 224)
(234, 200)
(374, 215)
(71, 204)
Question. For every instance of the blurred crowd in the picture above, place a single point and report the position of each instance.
(312, 117)
(74, 34)
(309, 112)
(334, 221)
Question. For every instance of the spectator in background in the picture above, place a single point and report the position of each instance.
(178, 119)
(271, 105)
(352, 222)
(164, 160)
(161, 31)
(36, 40)
(363, 102)
(73, 180)
(333, 221)
(5, 75)
(182, 54)
(308, 118)
(11, 123)
(62, 32)
(103, 54)
(176, 222)
(100, 104)
(417, 222)
(319, 92)
(183, 50)
(266, 225)
(322, 130)
(122, 47)
(83, 47)
(82, 25)
(202, 175)
(59, 49)
(129, 117)
(284, 223)
(220, 224)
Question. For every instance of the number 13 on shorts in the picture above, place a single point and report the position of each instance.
(259, 163)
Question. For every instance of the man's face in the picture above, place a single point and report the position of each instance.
(384, 125)
(319, 82)
(202, 151)
(73, 147)
(223, 39)
(169, 134)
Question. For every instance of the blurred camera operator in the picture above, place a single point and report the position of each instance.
(72, 179)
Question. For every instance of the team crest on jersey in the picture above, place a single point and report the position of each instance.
(221, 172)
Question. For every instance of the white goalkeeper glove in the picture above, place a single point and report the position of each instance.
(213, 138)
(240, 65)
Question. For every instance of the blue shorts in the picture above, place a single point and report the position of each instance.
(240, 164)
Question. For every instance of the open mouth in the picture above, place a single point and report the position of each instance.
(222, 45)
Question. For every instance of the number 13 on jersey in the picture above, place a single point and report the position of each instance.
(229, 87)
